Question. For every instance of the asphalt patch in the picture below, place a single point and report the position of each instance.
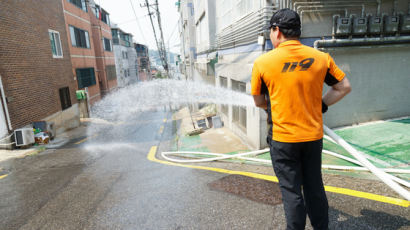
(261, 191)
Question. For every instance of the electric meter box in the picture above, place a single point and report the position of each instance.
(359, 26)
(405, 24)
(375, 25)
(391, 24)
(344, 26)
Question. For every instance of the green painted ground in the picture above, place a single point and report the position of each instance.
(388, 141)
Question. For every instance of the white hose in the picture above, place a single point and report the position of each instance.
(241, 156)
(12, 143)
(219, 156)
(379, 173)
(6, 137)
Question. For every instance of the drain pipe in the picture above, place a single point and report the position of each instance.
(408, 9)
(379, 173)
(361, 41)
(395, 8)
(6, 110)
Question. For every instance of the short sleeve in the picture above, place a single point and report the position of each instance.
(256, 81)
(334, 74)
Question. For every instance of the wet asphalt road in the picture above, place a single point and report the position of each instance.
(107, 182)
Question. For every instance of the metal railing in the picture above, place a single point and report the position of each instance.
(246, 30)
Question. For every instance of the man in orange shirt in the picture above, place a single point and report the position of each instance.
(293, 75)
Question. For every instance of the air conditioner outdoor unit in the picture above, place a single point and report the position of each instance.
(24, 136)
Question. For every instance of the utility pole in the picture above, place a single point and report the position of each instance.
(164, 52)
(160, 44)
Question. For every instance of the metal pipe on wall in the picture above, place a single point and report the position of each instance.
(361, 41)
(331, 3)
(321, 10)
(408, 9)
(300, 8)
(395, 8)
(334, 25)
(379, 3)
(6, 110)
(335, 2)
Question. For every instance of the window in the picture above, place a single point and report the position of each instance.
(105, 18)
(80, 4)
(79, 37)
(114, 33)
(224, 84)
(126, 39)
(65, 98)
(55, 44)
(115, 37)
(124, 55)
(85, 77)
(239, 113)
(107, 44)
(110, 70)
(102, 15)
(201, 31)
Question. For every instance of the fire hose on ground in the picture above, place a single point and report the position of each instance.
(364, 164)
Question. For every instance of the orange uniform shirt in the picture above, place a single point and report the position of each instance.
(294, 75)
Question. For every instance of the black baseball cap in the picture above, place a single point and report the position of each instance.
(286, 19)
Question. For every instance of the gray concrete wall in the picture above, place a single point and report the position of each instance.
(66, 119)
(132, 61)
(380, 79)
(121, 65)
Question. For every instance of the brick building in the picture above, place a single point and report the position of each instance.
(35, 66)
(79, 34)
(90, 39)
(101, 33)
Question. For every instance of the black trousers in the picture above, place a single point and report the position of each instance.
(298, 167)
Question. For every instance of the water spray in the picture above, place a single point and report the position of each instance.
(125, 104)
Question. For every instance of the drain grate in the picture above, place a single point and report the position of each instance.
(253, 189)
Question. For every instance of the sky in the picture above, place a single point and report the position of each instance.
(121, 13)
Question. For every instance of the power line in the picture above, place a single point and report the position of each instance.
(131, 20)
(173, 31)
(138, 23)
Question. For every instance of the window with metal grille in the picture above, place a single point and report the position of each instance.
(224, 84)
(85, 77)
(239, 113)
(110, 70)
(107, 44)
(65, 98)
(79, 37)
(55, 42)
(80, 4)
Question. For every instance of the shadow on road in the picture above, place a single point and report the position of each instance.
(368, 219)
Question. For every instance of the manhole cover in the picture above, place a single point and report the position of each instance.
(254, 189)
